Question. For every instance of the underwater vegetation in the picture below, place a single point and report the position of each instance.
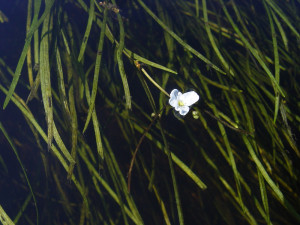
(149, 112)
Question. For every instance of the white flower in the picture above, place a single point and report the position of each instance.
(182, 102)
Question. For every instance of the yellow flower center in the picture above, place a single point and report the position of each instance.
(180, 103)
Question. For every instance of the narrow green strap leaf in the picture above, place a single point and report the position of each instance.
(281, 31)
(171, 165)
(139, 58)
(268, 179)
(97, 71)
(61, 84)
(252, 50)
(87, 30)
(65, 42)
(4, 218)
(264, 196)
(45, 79)
(179, 40)
(95, 123)
(276, 61)
(212, 40)
(283, 16)
(73, 114)
(61, 145)
(17, 74)
(37, 6)
(120, 60)
(227, 144)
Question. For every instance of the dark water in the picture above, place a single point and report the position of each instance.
(211, 206)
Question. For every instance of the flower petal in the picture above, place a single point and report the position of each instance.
(173, 98)
(190, 98)
(173, 102)
(183, 110)
(174, 93)
(177, 107)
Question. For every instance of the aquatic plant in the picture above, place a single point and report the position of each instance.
(88, 115)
